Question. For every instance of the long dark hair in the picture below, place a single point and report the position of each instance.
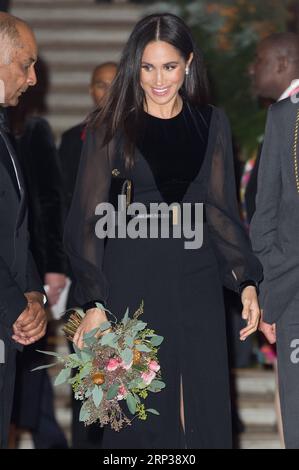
(123, 106)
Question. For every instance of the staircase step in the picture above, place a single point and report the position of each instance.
(72, 101)
(256, 381)
(73, 37)
(82, 35)
(74, 10)
(260, 441)
(67, 56)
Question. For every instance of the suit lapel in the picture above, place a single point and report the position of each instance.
(17, 178)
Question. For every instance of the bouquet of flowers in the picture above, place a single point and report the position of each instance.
(118, 363)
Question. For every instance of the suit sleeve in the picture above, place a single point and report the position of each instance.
(264, 222)
(34, 283)
(84, 248)
(50, 199)
(12, 300)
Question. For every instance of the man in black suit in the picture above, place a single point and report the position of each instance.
(22, 315)
(274, 234)
(72, 139)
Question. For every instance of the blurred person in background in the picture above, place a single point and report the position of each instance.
(33, 408)
(72, 139)
(274, 75)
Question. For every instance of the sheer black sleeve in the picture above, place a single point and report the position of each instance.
(236, 260)
(84, 249)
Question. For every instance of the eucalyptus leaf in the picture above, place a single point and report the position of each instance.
(108, 339)
(127, 356)
(77, 351)
(86, 355)
(90, 341)
(158, 383)
(126, 318)
(91, 333)
(154, 412)
(85, 371)
(84, 413)
(142, 385)
(136, 383)
(63, 376)
(112, 391)
(156, 340)
(129, 341)
(97, 395)
(137, 398)
(143, 348)
(156, 386)
(49, 353)
(101, 306)
(105, 326)
(140, 325)
(73, 357)
(88, 351)
(44, 367)
(131, 402)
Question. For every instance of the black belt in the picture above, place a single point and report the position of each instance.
(172, 215)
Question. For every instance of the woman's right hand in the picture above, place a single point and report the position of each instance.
(94, 317)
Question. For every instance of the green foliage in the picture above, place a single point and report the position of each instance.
(131, 402)
(113, 391)
(117, 366)
(227, 32)
(62, 377)
(97, 395)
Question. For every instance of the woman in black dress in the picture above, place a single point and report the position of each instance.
(157, 130)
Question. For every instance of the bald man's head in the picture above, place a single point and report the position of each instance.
(102, 77)
(276, 64)
(18, 54)
(10, 38)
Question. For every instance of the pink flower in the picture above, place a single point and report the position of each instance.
(122, 392)
(154, 366)
(148, 377)
(113, 364)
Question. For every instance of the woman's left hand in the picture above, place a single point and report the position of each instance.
(251, 311)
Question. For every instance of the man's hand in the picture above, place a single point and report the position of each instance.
(268, 330)
(31, 325)
(56, 283)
